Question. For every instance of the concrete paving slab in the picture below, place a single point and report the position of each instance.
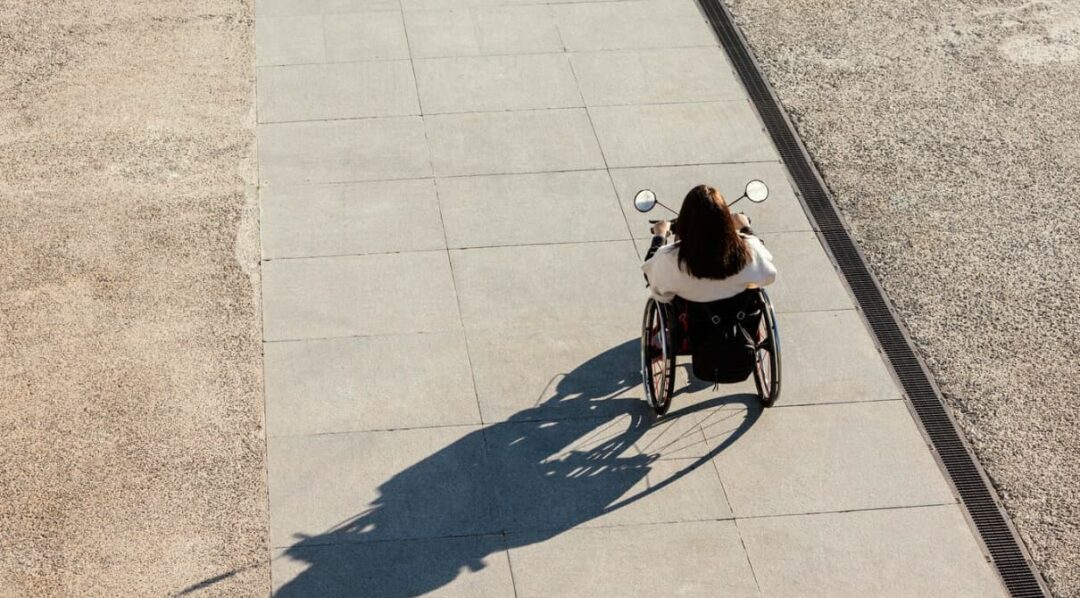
(289, 40)
(266, 8)
(369, 383)
(530, 208)
(337, 7)
(806, 279)
(512, 142)
(530, 373)
(491, 83)
(676, 436)
(350, 218)
(659, 76)
(470, 567)
(699, 559)
(368, 486)
(831, 458)
(925, 551)
(366, 36)
(781, 212)
(549, 286)
(417, 5)
(366, 295)
(343, 151)
(562, 474)
(632, 24)
(482, 31)
(680, 134)
(829, 356)
(329, 91)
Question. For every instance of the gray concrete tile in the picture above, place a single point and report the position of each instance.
(830, 458)
(561, 474)
(806, 280)
(350, 218)
(678, 134)
(358, 295)
(530, 208)
(289, 40)
(369, 383)
(272, 8)
(676, 436)
(343, 151)
(512, 142)
(475, 566)
(698, 559)
(781, 212)
(417, 5)
(583, 371)
(482, 31)
(656, 76)
(632, 24)
(490, 83)
(328, 91)
(264, 8)
(337, 7)
(366, 486)
(366, 36)
(895, 552)
(549, 286)
(830, 357)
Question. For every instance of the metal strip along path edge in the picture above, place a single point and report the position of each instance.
(966, 475)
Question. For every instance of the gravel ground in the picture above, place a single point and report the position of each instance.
(949, 132)
(131, 449)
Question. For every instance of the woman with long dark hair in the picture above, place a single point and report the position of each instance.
(716, 256)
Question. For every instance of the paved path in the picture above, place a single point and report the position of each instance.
(452, 300)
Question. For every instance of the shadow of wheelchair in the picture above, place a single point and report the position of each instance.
(569, 459)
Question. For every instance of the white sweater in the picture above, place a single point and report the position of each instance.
(667, 279)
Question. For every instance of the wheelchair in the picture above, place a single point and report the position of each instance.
(737, 337)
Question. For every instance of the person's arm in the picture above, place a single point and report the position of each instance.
(660, 236)
(761, 271)
(657, 273)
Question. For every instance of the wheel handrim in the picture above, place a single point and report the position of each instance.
(657, 360)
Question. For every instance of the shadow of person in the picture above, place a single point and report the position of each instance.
(569, 459)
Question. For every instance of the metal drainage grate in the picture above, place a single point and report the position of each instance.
(996, 531)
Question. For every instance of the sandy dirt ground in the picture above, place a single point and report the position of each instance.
(131, 448)
(949, 131)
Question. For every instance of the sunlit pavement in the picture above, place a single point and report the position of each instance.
(452, 299)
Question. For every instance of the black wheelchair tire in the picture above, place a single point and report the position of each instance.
(767, 355)
(657, 361)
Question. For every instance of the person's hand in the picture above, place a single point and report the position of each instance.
(741, 220)
(662, 228)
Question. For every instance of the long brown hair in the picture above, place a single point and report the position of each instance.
(709, 244)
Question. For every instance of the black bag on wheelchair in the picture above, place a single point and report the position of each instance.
(720, 349)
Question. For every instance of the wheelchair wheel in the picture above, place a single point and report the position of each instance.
(657, 356)
(767, 354)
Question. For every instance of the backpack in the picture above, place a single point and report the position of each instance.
(721, 334)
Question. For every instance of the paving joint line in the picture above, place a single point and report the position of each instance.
(423, 114)
(564, 51)
(296, 184)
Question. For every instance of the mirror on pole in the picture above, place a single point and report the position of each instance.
(757, 191)
(645, 200)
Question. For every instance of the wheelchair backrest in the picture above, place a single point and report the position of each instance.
(721, 336)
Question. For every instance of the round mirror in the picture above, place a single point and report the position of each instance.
(645, 200)
(757, 191)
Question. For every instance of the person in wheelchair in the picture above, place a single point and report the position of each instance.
(716, 255)
(710, 303)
